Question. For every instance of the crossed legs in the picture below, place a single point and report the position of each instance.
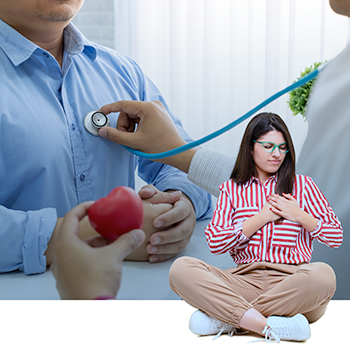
(245, 296)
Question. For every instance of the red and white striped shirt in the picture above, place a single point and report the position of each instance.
(286, 242)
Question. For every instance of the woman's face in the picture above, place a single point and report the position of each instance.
(267, 164)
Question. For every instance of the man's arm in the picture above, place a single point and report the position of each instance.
(24, 238)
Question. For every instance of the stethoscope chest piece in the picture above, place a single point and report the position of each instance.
(94, 121)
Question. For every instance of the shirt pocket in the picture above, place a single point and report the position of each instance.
(245, 213)
(285, 234)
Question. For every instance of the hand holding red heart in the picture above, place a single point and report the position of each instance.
(119, 212)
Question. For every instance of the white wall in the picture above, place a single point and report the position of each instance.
(214, 60)
(96, 21)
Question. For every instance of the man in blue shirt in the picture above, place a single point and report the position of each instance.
(51, 76)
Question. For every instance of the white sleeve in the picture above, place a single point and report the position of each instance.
(209, 170)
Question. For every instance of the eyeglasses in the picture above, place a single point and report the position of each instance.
(269, 146)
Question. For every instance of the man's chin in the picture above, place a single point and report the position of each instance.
(57, 16)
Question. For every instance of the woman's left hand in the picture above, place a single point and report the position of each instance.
(286, 206)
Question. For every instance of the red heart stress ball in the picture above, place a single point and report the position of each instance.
(119, 212)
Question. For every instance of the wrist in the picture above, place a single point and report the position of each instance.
(253, 224)
(182, 160)
(262, 219)
(185, 197)
(307, 221)
(49, 253)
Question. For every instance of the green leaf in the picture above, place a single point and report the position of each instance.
(298, 98)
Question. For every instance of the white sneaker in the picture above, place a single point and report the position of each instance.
(287, 328)
(202, 324)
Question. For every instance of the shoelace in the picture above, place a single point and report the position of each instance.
(270, 335)
(231, 331)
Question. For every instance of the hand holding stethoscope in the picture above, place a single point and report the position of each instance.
(96, 120)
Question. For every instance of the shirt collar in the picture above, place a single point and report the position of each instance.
(253, 179)
(19, 49)
(75, 42)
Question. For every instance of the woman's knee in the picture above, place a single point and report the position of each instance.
(180, 270)
(320, 277)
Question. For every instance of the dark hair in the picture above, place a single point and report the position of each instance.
(245, 168)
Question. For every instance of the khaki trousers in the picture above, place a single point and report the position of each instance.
(272, 289)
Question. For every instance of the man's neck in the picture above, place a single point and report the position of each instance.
(53, 44)
(49, 38)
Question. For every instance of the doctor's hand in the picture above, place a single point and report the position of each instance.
(155, 132)
(91, 268)
(175, 227)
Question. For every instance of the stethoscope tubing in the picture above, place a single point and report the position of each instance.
(175, 151)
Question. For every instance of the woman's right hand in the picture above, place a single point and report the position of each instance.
(268, 214)
(256, 222)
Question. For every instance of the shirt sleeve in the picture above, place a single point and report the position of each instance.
(221, 234)
(328, 230)
(23, 239)
(210, 169)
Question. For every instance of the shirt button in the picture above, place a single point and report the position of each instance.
(46, 55)
(82, 177)
(73, 126)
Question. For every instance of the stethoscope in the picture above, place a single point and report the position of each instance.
(95, 120)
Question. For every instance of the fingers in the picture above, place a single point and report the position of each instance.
(162, 252)
(182, 209)
(280, 202)
(97, 241)
(128, 139)
(276, 200)
(161, 257)
(127, 243)
(177, 233)
(125, 123)
(148, 191)
(130, 113)
(167, 251)
(156, 131)
(154, 196)
(70, 224)
(80, 211)
(161, 208)
(129, 107)
(180, 222)
(135, 108)
(276, 211)
(288, 196)
(165, 197)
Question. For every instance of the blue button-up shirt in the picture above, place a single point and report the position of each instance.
(48, 162)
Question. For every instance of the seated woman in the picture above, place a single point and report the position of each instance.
(266, 218)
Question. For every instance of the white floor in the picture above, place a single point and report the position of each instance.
(146, 324)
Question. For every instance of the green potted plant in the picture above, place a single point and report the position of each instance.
(298, 98)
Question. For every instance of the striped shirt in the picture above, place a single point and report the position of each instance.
(285, 242)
